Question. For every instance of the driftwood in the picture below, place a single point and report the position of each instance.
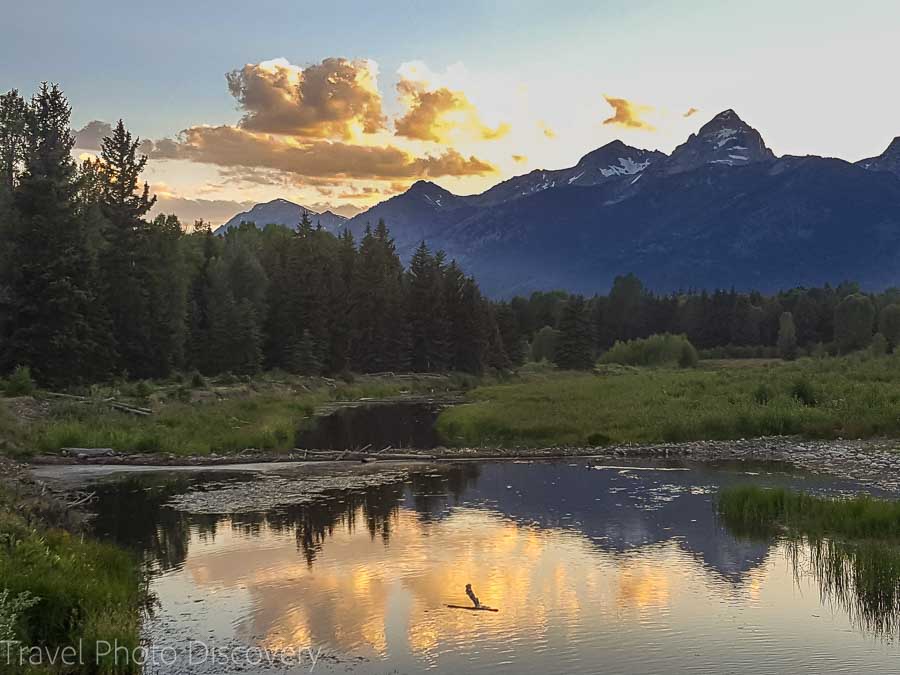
(482, 608)
(361, 455)
(130, 409)
(113, 403)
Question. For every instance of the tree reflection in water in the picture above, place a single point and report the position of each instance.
(162, 534)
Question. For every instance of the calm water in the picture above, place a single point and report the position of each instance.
(595, 569)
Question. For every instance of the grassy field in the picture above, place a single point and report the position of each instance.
(215, 418)
(58, 588)
(849, 397)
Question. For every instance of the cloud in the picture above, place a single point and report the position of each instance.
(216, 211)
(691, 111)
(628, 114)
(346, 210)
(330, 99)
(91, 135)
(230, 146)
(546, 130)
(440, 114)
(519, 159)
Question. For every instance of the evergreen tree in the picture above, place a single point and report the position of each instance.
(427, 318)
(13, 114)
(305, 356)
(574, 347)
(512, 339)
(854, 317)
(126, 262)
(58, 326)
(543, 348)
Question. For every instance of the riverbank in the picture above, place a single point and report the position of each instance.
(854, 396)
(872, 462)
(59, 588)
(221, 417)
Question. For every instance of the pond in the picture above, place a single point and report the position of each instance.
(594, 567)
(394, 424)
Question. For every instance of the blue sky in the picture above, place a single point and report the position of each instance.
(813, 77)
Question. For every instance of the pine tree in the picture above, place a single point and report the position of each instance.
(426, 313)
(125, 261)
(58, 326)
(13, 114)
(574, 349)
(305, 356)
(513, 341)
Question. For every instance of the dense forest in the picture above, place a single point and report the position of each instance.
(91, 288)
(815, 321)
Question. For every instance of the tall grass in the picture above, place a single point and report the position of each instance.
(77, 589)
(265, 419)
(752, 509)
(845, 397)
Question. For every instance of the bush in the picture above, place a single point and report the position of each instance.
(656, 350)
(688, 357)
(20, 382)
(142, 390)
(803, 391)
(197, 381)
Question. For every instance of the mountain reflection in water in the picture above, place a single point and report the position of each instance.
(609, 569)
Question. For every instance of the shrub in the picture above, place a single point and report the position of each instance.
(656, 350)
(142, 390)
(688, 357)
(803, 391)
(197, 381)
(20, 382)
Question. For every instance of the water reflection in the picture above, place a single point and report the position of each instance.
(610, 568)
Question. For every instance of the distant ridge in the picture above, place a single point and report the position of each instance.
(283, 212)
(721, 211)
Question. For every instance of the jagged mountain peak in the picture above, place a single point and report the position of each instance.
(889, 160)
(726, 140)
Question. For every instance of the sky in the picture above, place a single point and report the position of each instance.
(341, 105)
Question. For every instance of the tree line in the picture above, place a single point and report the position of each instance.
(91, 288)
(571, 330)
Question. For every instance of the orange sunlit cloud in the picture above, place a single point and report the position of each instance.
(330, 99)
(440, 115)
(628, 114)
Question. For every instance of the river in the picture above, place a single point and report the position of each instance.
(594, 567)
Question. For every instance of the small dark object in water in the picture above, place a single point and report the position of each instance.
(472, 596)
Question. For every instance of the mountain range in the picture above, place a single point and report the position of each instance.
(721, 211)
(283, 212)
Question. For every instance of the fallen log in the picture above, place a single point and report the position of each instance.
(130, 409)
